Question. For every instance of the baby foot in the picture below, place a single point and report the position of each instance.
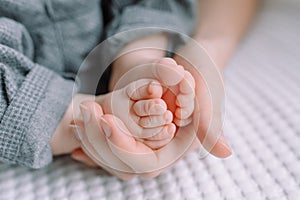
(179, 86)
(179, 97)
(140, 107)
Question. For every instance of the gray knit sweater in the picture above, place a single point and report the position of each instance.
(42, 44)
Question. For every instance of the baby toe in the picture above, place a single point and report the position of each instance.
(167, 133)
(150, 107)
(144, 89)
(187, 85)
(155, 90)
(184, 100)
(182, 122)
(184, 112)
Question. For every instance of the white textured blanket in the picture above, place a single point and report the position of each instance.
(262, 125)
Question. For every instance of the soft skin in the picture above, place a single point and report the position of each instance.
(219, 37)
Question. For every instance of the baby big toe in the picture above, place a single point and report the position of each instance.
(168, 72)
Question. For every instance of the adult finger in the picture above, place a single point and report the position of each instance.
(135, 154)
(94, 141)
(80, 156)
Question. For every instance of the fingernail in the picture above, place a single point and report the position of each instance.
(225, 143)
(76, 131)
(86, 115)
(105, 127)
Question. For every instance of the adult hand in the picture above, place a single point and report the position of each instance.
(107, 142)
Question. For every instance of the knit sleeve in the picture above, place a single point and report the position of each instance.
(131, 20)
(33, 99)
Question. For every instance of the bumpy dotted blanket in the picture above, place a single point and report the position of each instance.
(262, 125)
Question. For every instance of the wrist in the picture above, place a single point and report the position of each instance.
(63, 140)
(220, 48)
